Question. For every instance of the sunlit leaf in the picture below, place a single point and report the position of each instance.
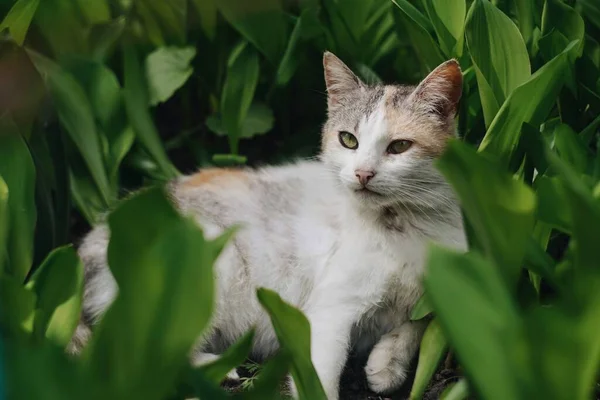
(19, 18)
(167, 69)
(448, 20)
(432, 349)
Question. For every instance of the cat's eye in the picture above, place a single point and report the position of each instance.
(399, 146)
(348, 140)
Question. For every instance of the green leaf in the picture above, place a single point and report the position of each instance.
(17, 305)
(552, 203)
(418, 29)
(456, 391)
(19, 18)
(104, 37)
(261, 23)
(18, 171)
(62, 26)
(432, 349)
(258, 121)
(75, 114)
(499, 208)
(479, 319)
(163, 267)
(207, 12)
(530, 102)
(267, 385)
(238, 91)
(58, 284)
(563, 20)
(167, 69)
(499, 55)
(571, 148)
(230, 359)
(448, 20)
(226, 160)
(94, 11)
(293, 331)
(591, 10)
(525, 16)
(136, 104)
(421, 309)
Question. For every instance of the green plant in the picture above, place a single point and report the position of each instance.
(102, 97)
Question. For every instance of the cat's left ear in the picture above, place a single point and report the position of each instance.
(439, 93)
(341, 82)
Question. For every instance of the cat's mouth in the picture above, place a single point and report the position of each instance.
(367, 192)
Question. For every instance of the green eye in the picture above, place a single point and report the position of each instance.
(399, 146)
(348, 140)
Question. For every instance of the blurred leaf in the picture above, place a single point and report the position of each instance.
(421, 309)
(432, 349)
(226, 160)
(530, 102)
(293, 332)
(238, 91)
(58, 284)
(16, 306)
(19, 18)
(259, 120)
(230, 359)
(260, 22)
(104, 37)
(207, 12)
(18, 172)
(499, 55)
(456, 391)
(75, 113)
(167, 69)
(171, 16)
(163, 267)
(136, 103)
(63, 26)
(499, 208)
(588, 133)
(552, 203)
(448, 20)
(479, 318)
(367, 74)
(307, 22)
(3, 225)
(418, 29)
(94, 11)
(571, 149)
(564, 24)
(591, 10)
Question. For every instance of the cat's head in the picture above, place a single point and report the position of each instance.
(381, 140)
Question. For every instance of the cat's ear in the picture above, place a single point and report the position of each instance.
(439, 93)
(339, 80)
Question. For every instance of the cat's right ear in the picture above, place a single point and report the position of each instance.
(339, 80)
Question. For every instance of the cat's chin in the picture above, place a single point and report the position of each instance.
(369, 198)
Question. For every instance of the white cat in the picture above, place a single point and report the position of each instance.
(343, 238)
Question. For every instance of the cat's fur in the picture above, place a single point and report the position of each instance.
(351, 260)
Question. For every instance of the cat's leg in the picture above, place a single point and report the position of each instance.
(388, 363)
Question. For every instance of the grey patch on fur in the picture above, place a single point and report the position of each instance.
(401, 92)
(359, 103)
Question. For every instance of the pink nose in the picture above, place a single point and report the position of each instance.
(364, 176)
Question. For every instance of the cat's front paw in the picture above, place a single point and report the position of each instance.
(385, 372)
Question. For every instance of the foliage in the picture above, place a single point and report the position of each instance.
(102, 97)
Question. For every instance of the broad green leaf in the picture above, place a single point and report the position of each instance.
(418, 29)
(530, 102)
(421, 309)
(163, 266)
(172, 18)
(19, 18)
(571, 149)
(456, 391)
(293, 331)
(259, 120)
(559, 18)
(16, 307)
(552, 203)
(58, 285)
(230, 359)
(238, 91)
(75, 114)
(261, 23)
(18, 172)
(3, 224)
(498, 53)
(136, 103)
(432, 349)
(167, 69)
(499, 208)
(479, 319)
(448, 20)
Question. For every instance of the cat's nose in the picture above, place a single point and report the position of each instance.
(364, 176)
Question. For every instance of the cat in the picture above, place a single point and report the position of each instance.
(343, 238)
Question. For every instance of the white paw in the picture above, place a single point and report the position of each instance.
(385, 373)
